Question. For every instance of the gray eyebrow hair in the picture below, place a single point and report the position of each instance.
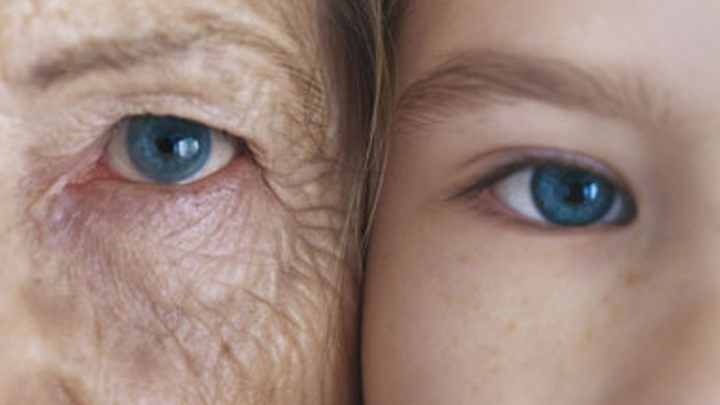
(66, 64)
(69, 63)
(478, 79)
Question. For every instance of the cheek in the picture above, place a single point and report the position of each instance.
(458, 312)
(151, 290)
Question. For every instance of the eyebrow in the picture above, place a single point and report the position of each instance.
(67, 64)
(478, 79)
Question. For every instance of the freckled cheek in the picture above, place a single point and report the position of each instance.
(488, 308)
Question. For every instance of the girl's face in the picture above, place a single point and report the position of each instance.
(549, 230)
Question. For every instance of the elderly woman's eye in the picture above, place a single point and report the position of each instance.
(167, 150)
(564, 196)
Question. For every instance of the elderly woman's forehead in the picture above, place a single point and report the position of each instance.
(31, 29)
(85, 11)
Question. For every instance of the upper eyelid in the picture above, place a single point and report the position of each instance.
(525, 159)
(98, 109)
(494, 176)
(100, 115)
(77, 139)
(239, 140)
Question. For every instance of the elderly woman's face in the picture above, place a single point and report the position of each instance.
(169, 204)
(548, 232)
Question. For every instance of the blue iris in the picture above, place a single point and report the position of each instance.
(168, 150)
(568, 196)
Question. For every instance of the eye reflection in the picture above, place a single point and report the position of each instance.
(564, 196)
(168, 150)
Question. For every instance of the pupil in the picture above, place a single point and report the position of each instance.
(578, 192)
(166, 145)
(168, 150)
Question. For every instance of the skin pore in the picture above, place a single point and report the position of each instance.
(228, 290)
(470, 300)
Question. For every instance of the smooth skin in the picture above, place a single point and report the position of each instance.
(468, 302)
(224, 291)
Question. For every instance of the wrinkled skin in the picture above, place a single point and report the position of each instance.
(469, 302)
(228, 290)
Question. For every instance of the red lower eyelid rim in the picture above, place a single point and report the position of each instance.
(98, 170)
(493, 205)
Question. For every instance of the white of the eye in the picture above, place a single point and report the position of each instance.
(617, 211)
(222, 152)
(516, 192)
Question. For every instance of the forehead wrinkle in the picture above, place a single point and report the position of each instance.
(123, 53)
(52, 43)
(72, 62)
(483, 78)
(300, 67)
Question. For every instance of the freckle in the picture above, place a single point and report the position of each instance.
(633, 279)
(487, 350)
(466, 301)
(512, 326)
(590, 315)
(455, 340)
(447, 296)
(464, 259)
(589, 334)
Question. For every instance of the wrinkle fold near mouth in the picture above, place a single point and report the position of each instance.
(49, 388)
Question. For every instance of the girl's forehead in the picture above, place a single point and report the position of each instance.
(675, 45)
(667, 47)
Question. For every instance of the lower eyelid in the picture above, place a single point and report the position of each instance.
(489, 207)
(122, 226)
(99, 173)
(106, 195)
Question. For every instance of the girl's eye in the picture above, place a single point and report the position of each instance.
(564, 196)
(167, 150)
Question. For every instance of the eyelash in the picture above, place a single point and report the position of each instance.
(483, 190)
